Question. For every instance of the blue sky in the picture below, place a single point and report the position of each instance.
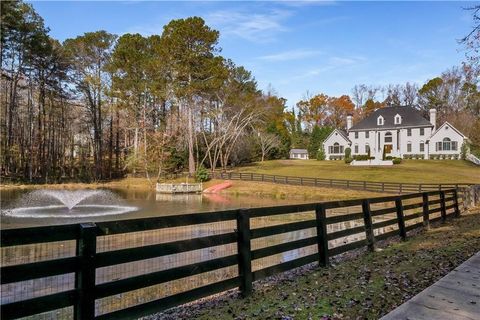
(296, 47)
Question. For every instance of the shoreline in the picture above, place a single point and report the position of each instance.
(239, 188)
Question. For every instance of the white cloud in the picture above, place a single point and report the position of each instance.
(291, 55)
(333, 63)
(255, 27)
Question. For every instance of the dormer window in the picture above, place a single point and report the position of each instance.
(398, 119)
(380, 121)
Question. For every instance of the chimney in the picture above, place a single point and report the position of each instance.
(433, 118)
(349, 121)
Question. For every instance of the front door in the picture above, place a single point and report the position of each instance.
(388, 148)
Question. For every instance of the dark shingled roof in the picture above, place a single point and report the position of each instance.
(410, 118)
(298, 150)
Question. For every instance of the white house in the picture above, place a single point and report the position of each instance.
(399, 131)
(299, 154)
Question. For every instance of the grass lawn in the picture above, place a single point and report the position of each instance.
(414, 171)
(365, 287)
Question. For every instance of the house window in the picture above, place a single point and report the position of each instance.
(422, 131)
(409, 147)
(409, 132)
(367, 148)
(335, 149)
(398, 119)
(447, 144)
(367, 134)
(388, 137)
(422, 146)
(356, 134)
(380, 121)
(356, 148)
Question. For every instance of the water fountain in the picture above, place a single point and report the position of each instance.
(67, 204)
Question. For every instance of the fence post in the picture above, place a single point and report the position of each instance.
(263, 177)
(301, 181)
(84, 307)
(383, 186)
(274, 179)
(455, 203)
(426, 216)
(400, 188)
(244, 252)
(364, 185)
(367, 218)
(316, 182)
(322, 240)
(443, 211)
(400, 218)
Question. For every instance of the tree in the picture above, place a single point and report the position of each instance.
(89, 55)
(370, 106)
(338, 109)
(267, 142)
(190, 47)
(314, 110)
(318, 135)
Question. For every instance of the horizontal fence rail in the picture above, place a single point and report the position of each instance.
(387, 187)
(317, 241)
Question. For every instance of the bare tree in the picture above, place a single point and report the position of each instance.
(267, 141)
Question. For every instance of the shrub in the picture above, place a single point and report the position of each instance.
(320, 154)
(202, 174)
(348, 153)
(397, 161)
(388, 158)
(361, 157)
(348, 160)
(464, 151)
(371, 158)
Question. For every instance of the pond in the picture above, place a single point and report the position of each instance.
(40, 208)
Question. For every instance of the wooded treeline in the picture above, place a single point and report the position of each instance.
(99, 106)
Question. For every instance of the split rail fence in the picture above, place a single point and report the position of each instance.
(389, 187)
(318, 233)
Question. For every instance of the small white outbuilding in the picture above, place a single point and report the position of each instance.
(299, 154)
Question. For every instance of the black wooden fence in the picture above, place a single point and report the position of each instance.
(388, 187)
(402, 212)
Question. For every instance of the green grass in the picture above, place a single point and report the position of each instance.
(365, 287)
(413, 171)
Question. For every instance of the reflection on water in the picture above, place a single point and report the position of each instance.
(149, 204)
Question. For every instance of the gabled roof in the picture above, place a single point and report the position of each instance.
(298, 151)
(341, 132)
(452, 127)
(410, 118)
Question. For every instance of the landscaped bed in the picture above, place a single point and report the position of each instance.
(357, 286)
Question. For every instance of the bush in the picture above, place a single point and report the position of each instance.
(397, 161)
(464, 151)
(371, 158)
(388, 158)
(202, 174)
(320, 154)
(361, 157)
(348, 160)
(348, 153)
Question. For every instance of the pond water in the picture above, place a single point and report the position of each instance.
(26, 208)
(40, 208)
